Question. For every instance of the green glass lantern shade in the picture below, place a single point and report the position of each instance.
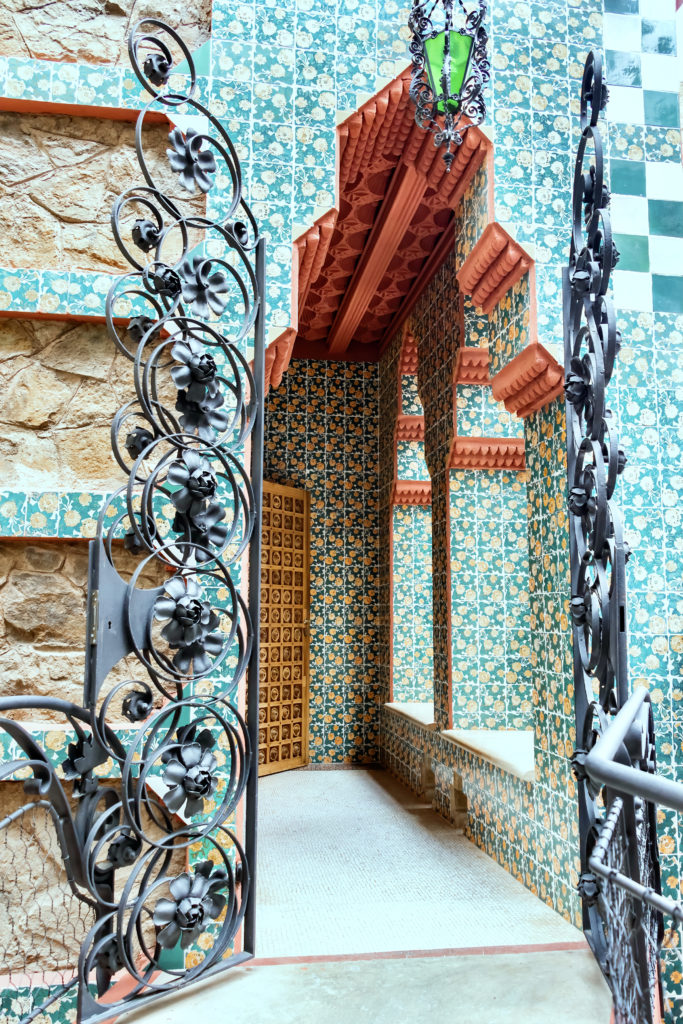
(460, 53)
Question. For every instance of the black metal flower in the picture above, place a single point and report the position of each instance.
(194, 477)
(138, 326)
(196, 901)
(133, 542)
(190, 626)
(205, 529)
(190, 770)
(197, 372)
(83, 756)
(162, 280)
(145, 234)
(157, 68)
(139, 439)
(205, 292)
(193, 164)
(137, 705)
(205, 418)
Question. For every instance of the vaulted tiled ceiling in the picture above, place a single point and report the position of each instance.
(360, 267)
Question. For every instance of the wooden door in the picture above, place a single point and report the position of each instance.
(285, 609)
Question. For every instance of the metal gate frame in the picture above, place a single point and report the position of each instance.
(178, 322)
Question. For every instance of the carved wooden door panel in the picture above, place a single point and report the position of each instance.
(285, 609)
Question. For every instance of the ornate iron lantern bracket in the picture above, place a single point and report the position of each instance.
(450, 68)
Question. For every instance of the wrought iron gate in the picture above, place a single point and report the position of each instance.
(154, 807)
(614, 762)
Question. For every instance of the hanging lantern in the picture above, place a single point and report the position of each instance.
(450, 68)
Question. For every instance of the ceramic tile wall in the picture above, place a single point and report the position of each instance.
(321, 435)
(388, 407)
(413, 652)
(492, 676)
(480, 415)
(504, 817)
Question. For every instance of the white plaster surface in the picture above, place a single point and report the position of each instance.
(511, 750)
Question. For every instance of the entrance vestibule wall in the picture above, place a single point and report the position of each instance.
(502, 654)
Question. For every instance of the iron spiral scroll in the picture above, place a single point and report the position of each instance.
(619, 882)
(161, 759)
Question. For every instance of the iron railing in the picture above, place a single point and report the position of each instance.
(614, 762)
(145, 804)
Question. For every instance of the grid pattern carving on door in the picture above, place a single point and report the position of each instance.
(284, 678)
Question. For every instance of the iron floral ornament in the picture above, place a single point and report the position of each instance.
(159, 764)
(196, 901)
(450, 68)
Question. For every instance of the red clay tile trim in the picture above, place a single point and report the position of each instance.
(411, 492)
(487, 453)
(410, 428)
(18, 106)
(408, 358)
(473, 366)
(495, 263)
(419, 954)
(529, 381)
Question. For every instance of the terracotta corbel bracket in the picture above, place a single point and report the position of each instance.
(529, 381)
(493, 266)
(533, 378)
(472, 366)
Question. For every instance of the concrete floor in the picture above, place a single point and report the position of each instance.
(530, 988)
(352, 865)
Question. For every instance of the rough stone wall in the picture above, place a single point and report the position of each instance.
(60, 385)
(59, 177)
(43, 588)
(92, 31)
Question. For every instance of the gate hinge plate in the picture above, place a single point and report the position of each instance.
(94, 616)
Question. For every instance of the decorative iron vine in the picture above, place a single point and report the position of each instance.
(614, 762)
(190, 512)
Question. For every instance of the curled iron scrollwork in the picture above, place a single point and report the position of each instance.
(160, 761)
(619, 882)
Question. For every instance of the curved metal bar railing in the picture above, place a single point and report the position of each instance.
(160, 763)
(614, 762)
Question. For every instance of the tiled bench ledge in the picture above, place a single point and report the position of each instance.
(510, 750)
(421, 713)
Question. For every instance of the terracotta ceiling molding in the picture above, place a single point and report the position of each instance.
(359, 269)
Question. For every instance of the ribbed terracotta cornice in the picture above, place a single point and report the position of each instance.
(487, 453)
(412, 492)
(495, 263)
(410, 428)
(529, 381)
